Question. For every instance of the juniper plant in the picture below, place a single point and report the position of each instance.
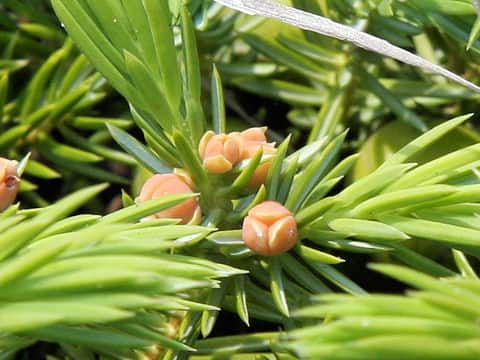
(228, 220)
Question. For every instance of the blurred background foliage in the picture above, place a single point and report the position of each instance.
(55, 104)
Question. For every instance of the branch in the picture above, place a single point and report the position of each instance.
(476, 4)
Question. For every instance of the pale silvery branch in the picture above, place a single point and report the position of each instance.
(476, 4)
(327, 27)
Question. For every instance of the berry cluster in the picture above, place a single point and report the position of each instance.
(269, 229)
(221, 152)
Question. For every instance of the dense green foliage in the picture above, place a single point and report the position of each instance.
(375, 159)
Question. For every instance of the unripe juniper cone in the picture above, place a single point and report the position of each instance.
(167, 184)
(9, 182)
(269, 229)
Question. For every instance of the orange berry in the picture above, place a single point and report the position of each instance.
(256, 134)
(252, 140)
(219, 152)
(166, 184)
(269, 229)
(9, 182)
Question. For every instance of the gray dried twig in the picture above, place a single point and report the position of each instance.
(476, 3)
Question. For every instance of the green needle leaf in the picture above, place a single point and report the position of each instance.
(209, 317)
(138, 151)
(366, 229)
(241, 298)
(276, 286)
(218, 103)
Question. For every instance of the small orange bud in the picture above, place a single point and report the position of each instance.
(219, 152)
(167, 184)
(185, 176)
(255, 134)
(269, 229)
(9, 182)
(254, 139)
